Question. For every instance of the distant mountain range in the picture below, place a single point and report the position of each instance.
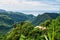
(46, 16)
(1, 10)
(9, 17)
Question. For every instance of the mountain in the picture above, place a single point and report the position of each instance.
(8, 18)
(31, 17)
(6, 21)
(48, 30)
(17, 16)
(1, 10)
(46, 16)
(5, 24)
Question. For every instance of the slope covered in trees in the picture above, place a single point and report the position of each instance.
(46, 16)
(26, 31)
(17, 16)
(24, 26)
(8, 18)
(5, 24)
(5, 21)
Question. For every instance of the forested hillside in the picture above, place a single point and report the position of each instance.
(8, 18)
(20, 26)
(17, 16)
(48, 30)
(46, 16)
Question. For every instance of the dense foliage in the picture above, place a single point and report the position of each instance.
(54, 28)
(26, 31)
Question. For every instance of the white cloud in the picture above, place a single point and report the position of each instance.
(25, 4)
(21, 5)
(8, 1)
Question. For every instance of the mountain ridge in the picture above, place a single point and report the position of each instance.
(44, 17)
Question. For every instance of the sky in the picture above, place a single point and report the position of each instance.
(34, 7)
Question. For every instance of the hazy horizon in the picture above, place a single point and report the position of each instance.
(34, 7)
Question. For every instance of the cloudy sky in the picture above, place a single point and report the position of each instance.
(31, 6)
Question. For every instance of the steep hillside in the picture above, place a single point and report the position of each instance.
(41, 18)
(5, 24)
(17, 16)
(8, 18)
(26, 31)
(6, 21)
